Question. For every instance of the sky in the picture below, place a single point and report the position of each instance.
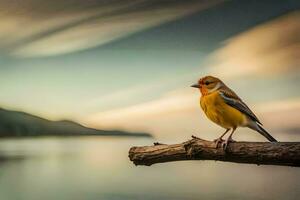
(129, 64)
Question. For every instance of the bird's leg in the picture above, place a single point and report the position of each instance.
(228, 140)
(220, 139)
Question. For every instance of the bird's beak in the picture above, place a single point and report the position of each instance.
(196, 85)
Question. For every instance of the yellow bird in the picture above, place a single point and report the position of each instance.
(222, 106)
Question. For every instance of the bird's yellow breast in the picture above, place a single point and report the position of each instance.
(219, 112)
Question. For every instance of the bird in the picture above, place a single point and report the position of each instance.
(225, 108)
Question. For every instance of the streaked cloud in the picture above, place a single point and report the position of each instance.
(276, 111)
(265, 50)
(170, 102)
(58, 27)
(156, 116)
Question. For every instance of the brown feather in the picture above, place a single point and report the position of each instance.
(239, 105)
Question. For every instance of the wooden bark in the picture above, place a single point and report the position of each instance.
(260, 153)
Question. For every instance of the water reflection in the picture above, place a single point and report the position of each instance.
(99, 168)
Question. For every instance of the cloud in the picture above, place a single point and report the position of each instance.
(122, 97)
(267, 49)
(157, 116)
(171, 102)
(57, 27)
(281, 113)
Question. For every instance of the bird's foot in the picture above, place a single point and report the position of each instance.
(225, 144)
(218, 142)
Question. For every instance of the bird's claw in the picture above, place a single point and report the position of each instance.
(225, 144)
(218, 141)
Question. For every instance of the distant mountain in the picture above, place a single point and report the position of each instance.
(13, 123)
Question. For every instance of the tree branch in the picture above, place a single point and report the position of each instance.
(266, 153)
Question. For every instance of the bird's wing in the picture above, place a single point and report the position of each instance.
(234, 101)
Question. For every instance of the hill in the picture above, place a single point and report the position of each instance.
(14, 124)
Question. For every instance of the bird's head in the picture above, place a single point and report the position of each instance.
(208, 84)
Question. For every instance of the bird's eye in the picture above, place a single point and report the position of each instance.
(206, 83)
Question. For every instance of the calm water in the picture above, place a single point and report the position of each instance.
(98, 168)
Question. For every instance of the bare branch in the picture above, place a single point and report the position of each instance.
(266, 153)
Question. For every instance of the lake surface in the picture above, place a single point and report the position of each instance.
(98, 168)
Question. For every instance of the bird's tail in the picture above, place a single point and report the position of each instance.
(257, 127)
